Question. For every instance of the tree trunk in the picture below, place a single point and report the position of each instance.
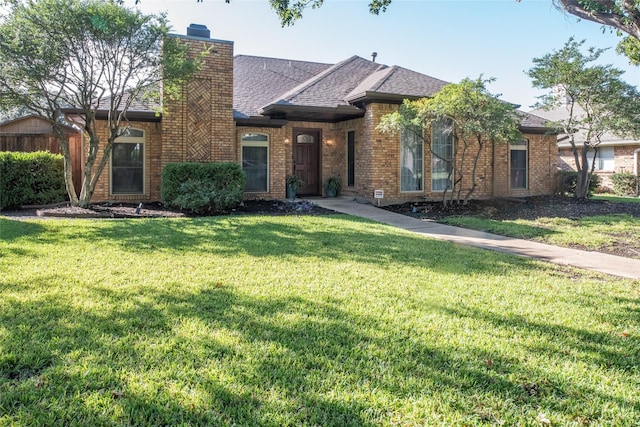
(582, 181)
(68, 172)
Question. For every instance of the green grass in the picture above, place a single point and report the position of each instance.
(592, 233)
(288, 321)
(619, 199)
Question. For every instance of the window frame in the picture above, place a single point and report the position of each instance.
(437, 125)
(420, 181)
(126, 139)
(600, 162)
(258, 144)
(351, 162)
(520, 147)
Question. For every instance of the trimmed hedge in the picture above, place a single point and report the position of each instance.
(31, 179)
(567, 183)
(202, 187)
(624, 183)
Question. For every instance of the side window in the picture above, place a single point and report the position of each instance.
(127, 163)
(255, 162)
(411, 164)
(518, 164)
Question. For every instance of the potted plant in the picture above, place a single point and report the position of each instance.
(293, 183)
(334, 185)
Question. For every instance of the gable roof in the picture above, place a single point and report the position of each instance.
(334, 92)
(15, 126)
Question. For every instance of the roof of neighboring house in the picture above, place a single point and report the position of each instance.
(561, 112)
(14, 126)
(531, 121)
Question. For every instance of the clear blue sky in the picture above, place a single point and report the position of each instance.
(447, 39)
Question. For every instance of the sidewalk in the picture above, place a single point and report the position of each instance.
(604, 263)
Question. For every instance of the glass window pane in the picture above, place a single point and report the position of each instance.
(442, 156)
(351, 159)
(255, 166)
(411, 160)
(518, 169)
(127, 168)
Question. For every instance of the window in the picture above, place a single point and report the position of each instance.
(255, 162)
(442, 155)
(351, 158)
(604, 159)
(518, 164)
(411, 159)
(127, 163)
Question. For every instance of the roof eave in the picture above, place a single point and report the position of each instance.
(312, 113)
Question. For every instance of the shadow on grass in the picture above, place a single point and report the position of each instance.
(337, 237)
(217, 357)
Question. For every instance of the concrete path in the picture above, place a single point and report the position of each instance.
(610, 264)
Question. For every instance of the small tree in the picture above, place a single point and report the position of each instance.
(596, 100)
(86, 56)
(476, 119)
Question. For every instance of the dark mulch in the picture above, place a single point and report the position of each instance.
(525, 208)
(157, 210)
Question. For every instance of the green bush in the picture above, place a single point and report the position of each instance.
(31, 179)
(202, 187)
(567, 183)
(624, 183)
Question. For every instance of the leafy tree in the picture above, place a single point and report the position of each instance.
(476, 116)
(596, 100)
(84, 56)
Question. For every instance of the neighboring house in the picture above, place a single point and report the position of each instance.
(279, 117)
(32, 133)
(614, 154)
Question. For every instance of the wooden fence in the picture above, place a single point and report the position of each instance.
(37, 142)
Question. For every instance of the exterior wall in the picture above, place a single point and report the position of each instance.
(624, 159)
(152, 166)
(199, 127)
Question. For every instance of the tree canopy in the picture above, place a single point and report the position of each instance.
(86, 56)
(594, 99)
(476, 117)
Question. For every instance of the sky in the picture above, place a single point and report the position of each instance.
(446, 39)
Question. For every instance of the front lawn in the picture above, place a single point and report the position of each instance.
(302, 320)
(615, 234)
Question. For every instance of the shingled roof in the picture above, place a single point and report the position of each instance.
(324, 92)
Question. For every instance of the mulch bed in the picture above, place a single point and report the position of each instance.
(157, 210)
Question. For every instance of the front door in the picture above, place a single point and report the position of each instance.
(306, 160)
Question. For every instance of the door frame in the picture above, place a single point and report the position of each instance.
(318, 131)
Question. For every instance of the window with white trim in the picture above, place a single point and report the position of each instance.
(411, 164)
(519, 165)
(604, 159)
(127, 163)
(255, 162)
(442, 155)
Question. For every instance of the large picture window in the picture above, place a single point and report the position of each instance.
(255, 162)
(127, 163)
(518, 164)
(442, 155)
(411, 159)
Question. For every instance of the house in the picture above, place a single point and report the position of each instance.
(32, 133)
(615, 154)
(279, 117)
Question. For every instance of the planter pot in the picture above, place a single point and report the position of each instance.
(331, 193)
(291, 192)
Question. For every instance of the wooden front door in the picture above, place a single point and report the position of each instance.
(306, 160)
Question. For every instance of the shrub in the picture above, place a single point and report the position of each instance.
(567, 183)
(624, 183)
(31, 178)
(201, 187)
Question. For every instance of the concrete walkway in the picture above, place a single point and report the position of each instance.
(610, 264)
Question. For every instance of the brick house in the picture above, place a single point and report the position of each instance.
(279, 117)
(615, 154)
